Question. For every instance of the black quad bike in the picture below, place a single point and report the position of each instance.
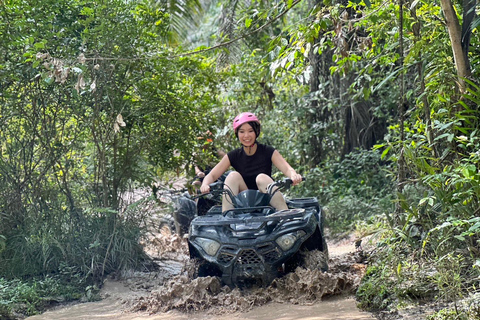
(253, 243)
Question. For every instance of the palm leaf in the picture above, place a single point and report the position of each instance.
(185, 16)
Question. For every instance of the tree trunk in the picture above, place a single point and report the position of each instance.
(316, 140)
(401, 175)
(455, 34)
(315, 154)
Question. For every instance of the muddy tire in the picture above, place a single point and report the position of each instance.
(242, 283)
(313, 254)
(205, 269)
(203, 205)
(325, 248)
(294, 262)
(166, 226)
(316, 260)
(313, 260)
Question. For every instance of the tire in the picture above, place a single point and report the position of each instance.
(185, 211)
(312, 260)
(316, 260)
(205, 269)
(296, 261)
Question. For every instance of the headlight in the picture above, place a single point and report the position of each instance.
(287, 241)
(209, 246)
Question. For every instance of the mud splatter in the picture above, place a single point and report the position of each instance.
(304, 286)
(173, 286)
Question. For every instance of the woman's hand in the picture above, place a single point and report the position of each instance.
(205, 188)
(296, 178)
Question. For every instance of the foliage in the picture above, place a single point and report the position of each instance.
(374, 292)
(26, 298)
(469, 310)
(357, 188)
(89, 111)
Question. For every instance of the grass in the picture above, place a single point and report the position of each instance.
(20, 298)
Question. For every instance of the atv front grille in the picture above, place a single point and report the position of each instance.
(271, 256)
(225, 257)
(248, 256)
(269, 252)
(227, 254)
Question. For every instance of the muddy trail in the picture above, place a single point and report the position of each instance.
(171, 292)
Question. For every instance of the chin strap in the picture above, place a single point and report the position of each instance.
(250, 147)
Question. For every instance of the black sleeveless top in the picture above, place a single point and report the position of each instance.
(251, 166)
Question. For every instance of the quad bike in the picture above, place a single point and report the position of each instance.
(253, 243)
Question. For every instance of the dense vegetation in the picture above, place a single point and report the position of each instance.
(375, 102)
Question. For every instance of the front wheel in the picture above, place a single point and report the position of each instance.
(205, 269)
(316, 260)
(313, 260)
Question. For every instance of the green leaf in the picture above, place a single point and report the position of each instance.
(477, 263)
(386, 79)
(475, 228)
(469, 171)
(449, 136)
(385, 152)
(39, 45)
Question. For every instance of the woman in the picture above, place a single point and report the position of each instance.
(252, 162)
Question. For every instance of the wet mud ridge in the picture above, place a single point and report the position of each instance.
(172, 286)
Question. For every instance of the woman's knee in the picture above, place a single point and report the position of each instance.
(235, 183)
(263, 181)
(234, 176)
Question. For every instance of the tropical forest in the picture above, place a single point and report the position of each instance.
(376, 103)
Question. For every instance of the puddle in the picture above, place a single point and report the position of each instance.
(334, 308)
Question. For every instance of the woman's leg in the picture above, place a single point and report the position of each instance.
(278, 202)
(235, 183)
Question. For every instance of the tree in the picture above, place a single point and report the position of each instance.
(460, 37)
(89, 111)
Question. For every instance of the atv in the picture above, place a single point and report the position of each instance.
(253, 243)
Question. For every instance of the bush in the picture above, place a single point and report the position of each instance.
(99, 242)
(26, 298)
(355, 188)
(375, 290)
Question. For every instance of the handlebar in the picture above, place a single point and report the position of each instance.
(284, 183)
(216, 188)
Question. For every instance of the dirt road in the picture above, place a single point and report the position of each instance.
(167, 294)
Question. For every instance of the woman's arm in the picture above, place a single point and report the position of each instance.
(285, 167)
(215, 173)
(198, 172)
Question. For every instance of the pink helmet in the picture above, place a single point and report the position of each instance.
(244, 118)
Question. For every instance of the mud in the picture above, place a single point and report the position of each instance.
(171, 292)
(302, 287)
